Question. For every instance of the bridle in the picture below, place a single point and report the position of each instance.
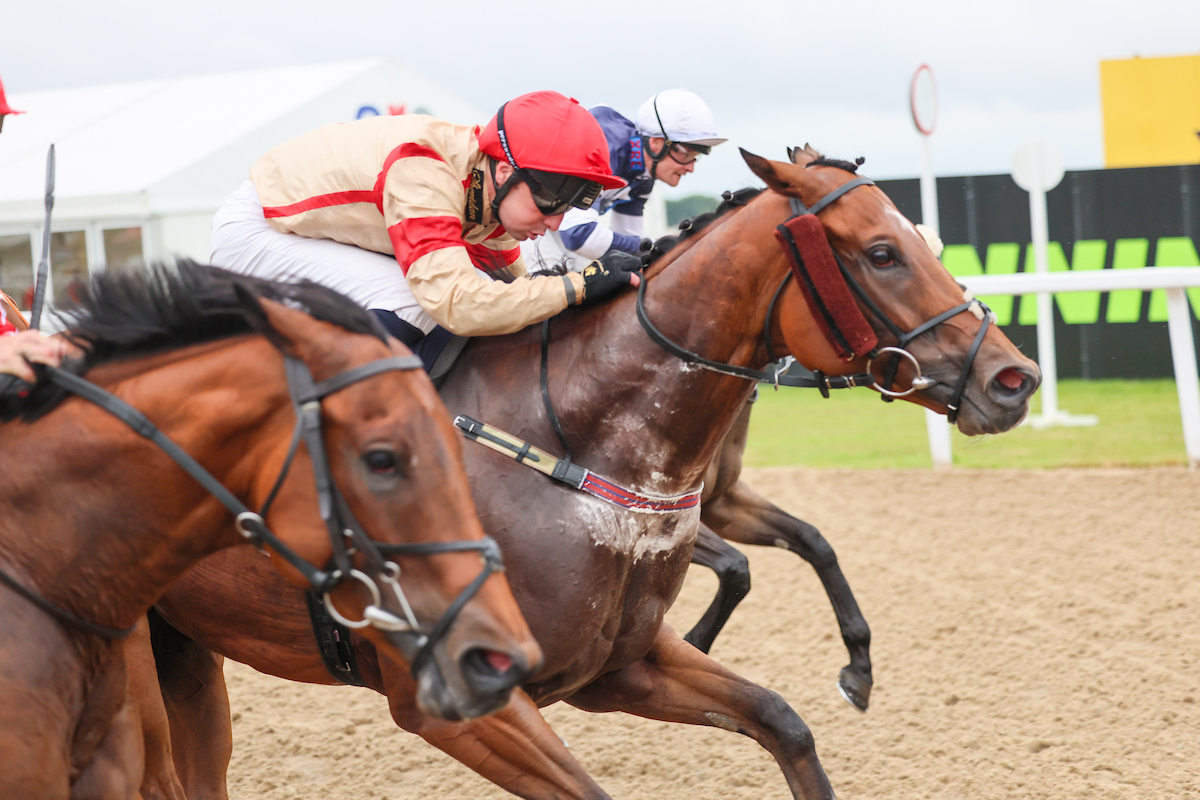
(346, 535)
(820, 380)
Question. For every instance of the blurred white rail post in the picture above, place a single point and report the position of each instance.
(1037, 168)
(1179, 322)
(923, 103)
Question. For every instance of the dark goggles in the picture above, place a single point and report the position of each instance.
(555, 194)
(686, 152)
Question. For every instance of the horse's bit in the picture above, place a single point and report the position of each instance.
(345, 534)
(819, 380)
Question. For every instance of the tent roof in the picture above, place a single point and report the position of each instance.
(178, 146)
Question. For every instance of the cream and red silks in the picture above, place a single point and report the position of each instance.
(412, 187)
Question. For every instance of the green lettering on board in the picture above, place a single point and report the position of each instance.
(1076, 307)
(1174, 251)
(1125, 305)
(961, 260)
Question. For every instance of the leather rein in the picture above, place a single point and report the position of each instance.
(346, 535)
(819, 380)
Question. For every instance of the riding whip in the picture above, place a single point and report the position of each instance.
(43, 273)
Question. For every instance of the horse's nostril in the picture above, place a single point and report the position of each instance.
(501, 662)
(1011, 379)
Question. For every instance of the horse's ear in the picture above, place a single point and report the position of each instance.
(259, 313)
(768, 172)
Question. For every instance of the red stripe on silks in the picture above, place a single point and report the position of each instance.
(419, 236)
(406, 150)
(496, 234)
(321, 201)
(490, 260)
(828, 296)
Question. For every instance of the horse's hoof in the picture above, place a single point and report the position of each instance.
(854, 688)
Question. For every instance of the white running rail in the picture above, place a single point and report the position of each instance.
(1175, 280)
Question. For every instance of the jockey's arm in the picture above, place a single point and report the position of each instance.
(423, 209)
(584, 234)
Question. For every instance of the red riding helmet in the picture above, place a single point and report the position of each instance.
(552, 133)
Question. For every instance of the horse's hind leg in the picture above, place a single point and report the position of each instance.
(675, 682)
(193, 691)
(742, 516)
(733, 576)
(514, 748)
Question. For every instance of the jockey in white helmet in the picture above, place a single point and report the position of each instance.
(672, 129)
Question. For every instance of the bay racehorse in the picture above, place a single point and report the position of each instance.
(594, 578)
(188, 414)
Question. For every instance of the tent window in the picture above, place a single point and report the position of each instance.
(123, 249)
(68, 260)
(16, 268)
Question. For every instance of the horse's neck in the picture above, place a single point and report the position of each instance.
(631, 410)
(117, 521)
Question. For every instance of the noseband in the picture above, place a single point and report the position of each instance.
(346, 535)
(832, 327)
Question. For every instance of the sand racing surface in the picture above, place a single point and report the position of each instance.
(1034, 635)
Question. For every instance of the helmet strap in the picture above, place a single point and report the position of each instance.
(655, 157)
(502, 191)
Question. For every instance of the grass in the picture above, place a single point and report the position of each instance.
(1139, 425)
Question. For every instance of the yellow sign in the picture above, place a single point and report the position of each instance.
(1151, 111)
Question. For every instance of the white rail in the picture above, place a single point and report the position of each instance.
(1179, 324)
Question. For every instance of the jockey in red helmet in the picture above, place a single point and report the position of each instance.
(419, 219)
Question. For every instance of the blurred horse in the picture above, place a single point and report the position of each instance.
(100, 518)
(640, 406)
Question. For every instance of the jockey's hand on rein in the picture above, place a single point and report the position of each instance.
(613, 272)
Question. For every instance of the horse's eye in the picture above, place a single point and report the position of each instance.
(882, 256)
(381, 462)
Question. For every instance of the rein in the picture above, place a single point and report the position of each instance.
(345, 534)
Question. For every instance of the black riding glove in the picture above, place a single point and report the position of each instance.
(614, 271)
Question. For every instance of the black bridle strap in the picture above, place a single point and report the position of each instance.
(799, 208)
(64, 616)
(492, 562)
(960, 387)
(142, 425)
(818, 382)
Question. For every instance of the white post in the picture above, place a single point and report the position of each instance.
(938, 432)
(1047, 358)
(1183, 349)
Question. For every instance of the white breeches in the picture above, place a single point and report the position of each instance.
(243, 242)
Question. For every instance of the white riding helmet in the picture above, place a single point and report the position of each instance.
(679, 116)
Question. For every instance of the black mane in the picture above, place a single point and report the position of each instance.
(132, 314)
(849, 166)
(690, 227)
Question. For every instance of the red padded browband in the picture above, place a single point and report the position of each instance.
(829, 298)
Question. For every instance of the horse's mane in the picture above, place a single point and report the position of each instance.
(849, 166)
(121, 314)
(691, 227)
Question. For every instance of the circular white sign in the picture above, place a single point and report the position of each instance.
(1037, 166)
(922, 96)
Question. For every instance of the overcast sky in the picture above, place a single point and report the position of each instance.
(835, 74)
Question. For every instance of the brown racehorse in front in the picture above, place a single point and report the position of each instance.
(98, 521)
(594, 580)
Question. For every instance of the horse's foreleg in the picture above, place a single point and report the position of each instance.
(742, 516)
(193, 691)
(514, 748)
(158, 781)
(675, 682)
(733, 576)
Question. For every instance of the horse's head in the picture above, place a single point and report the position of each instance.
(395, 458)
(897, 273)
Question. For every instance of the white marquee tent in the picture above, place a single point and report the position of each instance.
(142, 167)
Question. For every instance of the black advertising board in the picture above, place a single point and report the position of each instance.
(1098, 219)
